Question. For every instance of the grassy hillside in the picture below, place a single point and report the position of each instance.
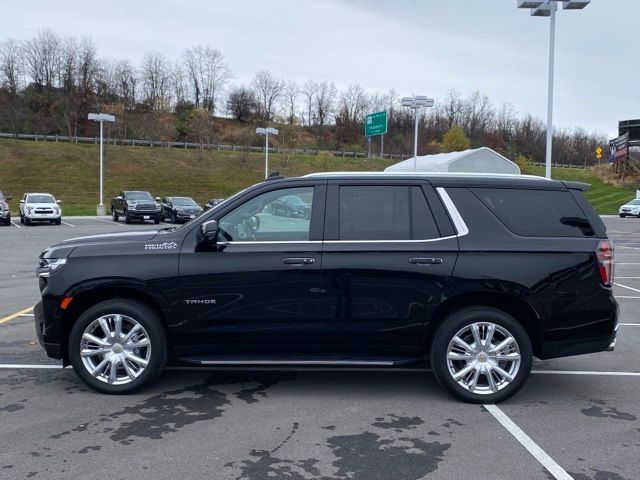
(70, 172)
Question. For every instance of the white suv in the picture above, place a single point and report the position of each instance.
(40, 207)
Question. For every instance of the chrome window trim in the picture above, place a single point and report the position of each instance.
(458, 222)
(269, 242)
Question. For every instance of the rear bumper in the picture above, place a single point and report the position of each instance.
(605, 340)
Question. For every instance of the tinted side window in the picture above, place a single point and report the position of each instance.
(536, 213)
(270, 217)
(424, 225)
(374, 213)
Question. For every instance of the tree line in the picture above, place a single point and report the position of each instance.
(48, 85)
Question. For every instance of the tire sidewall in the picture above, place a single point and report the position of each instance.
(143, 315)
(459, 320)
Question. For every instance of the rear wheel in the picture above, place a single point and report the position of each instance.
(481, 355)
(118, 346)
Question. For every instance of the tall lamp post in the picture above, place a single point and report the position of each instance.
(416, 103)
(548, 8)
(266, 132)
(101, 118)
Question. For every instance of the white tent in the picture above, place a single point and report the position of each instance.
(479, 160)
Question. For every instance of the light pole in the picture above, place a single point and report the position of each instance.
(101, 117)
(548, 8)
(266, 132)
(416, 103)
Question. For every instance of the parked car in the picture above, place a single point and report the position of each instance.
(5, 213)
(180, 209)
(136, 205)
(291, 206)
(389, 270)
(40, 207)
(214, 202)
(629, 209)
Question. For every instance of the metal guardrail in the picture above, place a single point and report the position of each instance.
(193, 145)
(557, 165)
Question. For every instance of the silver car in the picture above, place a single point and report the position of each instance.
(630, 209)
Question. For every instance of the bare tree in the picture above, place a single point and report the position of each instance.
(291, 94)
(156, 78)
(87, 66)
(208, 74)
(11, 66)
(241, 104)
(125, 83)
(324, 101)
(309, 92)
(267, 90)
(353, 103)
(42, 56)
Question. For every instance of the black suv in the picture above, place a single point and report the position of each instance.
(389, 270)
(5, 213)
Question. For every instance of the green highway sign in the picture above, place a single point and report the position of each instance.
(375, 124)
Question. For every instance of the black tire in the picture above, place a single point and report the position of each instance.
(7, 221)
(174, 218)
(22, 219)
(127, 219)
(622, 216)
(27, 221)
(146, 317)
(114, 214)
(467, 316)
(58, 221)
(156, 220)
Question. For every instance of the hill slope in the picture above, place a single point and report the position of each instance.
(70, 172)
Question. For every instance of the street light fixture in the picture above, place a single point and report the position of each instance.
(101, 117)
(548, 8)
(266, 132)
(416, 103)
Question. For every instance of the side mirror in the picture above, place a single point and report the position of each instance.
(157, 199)
(119, 197)
(58, 202)
(21, 201)
(208, 233)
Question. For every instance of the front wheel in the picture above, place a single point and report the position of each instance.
(622, 216)
(118, 346)
(481, 355)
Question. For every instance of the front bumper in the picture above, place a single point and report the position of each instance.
(53, 350)
(140, 215)
(4, 214)
(43, 216)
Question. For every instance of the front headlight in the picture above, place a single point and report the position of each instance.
(158, 206)
(29, 210)
(49, 265)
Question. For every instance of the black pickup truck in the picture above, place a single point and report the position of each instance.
(136, 205)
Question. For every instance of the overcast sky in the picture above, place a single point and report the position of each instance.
(414, 46)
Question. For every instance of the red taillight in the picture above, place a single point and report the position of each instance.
(604, 252)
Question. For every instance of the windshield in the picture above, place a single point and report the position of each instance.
(139, 196)
(183, 202)
(634, 202)
(40, 199)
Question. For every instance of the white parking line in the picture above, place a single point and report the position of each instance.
(630, 324)
(625, 296)
(6, 366)
(547, 462)
(624, 286)
(67, 223)
(628, 278)
(624, 246)
(618, 264)
(15, 224)
(111, 222)
(26, 315)
(585, 372)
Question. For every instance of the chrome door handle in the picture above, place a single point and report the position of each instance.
(299, 261)
(425, 261)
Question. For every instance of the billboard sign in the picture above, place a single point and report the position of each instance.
(619, 148)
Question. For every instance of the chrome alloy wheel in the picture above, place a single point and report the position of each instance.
(115, 349)
(483, 358)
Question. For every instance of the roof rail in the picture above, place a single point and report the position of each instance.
(429, 174)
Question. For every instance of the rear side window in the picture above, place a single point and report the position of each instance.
(536, 213)
(385, 213)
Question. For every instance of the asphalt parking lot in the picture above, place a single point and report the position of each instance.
(576, 418)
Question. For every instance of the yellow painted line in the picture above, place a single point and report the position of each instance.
(17, 314)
